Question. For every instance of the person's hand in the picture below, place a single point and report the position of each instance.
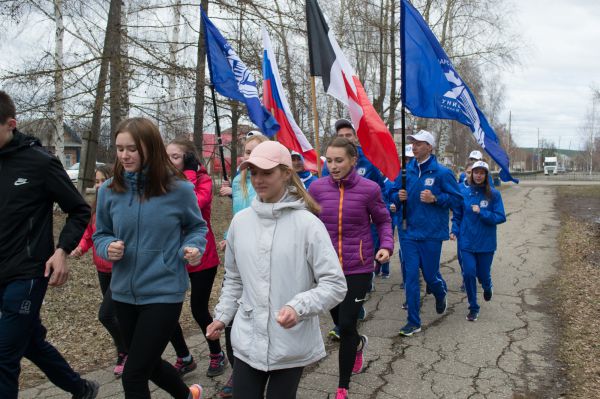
(452, 237)
(393, 208)
(382, 256)
(222, 245)
(116, 249)
(403, 195)
(475, 208)
(427, 197)
(57, 268)
(287, 317)
(192, 255)
(190, 162)
(76, 253)
(214, 330)
(225, 189)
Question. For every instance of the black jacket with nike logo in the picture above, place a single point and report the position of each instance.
(31, 181)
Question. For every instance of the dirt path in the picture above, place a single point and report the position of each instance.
(508, 352)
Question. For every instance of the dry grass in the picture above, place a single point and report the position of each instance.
(70, 313)
(577, 289)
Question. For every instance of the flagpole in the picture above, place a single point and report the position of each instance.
(316, 123)
(218, 127)
(403, 109)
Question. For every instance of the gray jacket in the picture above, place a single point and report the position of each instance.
(278, 254)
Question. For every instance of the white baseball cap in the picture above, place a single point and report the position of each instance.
(408, 151)
(481, 164)
(422, 135)
(476, 155)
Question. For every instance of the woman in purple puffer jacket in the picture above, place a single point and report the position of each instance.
(349, 203)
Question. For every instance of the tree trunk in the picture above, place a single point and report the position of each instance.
(125, 67)
(87, 166)
(172, 116)
(200, 85)
(116, 68)
(58, 136)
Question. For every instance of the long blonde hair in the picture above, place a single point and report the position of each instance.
(298, 190)
(244, 175)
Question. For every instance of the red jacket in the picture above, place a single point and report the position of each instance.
(203, 188)
(86, 243)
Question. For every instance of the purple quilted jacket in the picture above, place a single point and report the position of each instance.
(348, 207)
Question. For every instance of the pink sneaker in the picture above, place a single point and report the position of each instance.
(196, 391)
(121, 360)
(359, 361)
(342, 393)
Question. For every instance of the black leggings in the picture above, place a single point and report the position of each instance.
(345, 316)
(146, 330)
(250, 383)
(106, 313)
(202, 283)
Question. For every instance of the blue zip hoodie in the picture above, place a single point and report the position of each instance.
(307, 178)
(477, 232)
(427, 221)
(154, 231)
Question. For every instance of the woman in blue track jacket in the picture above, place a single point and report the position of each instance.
(474, 225)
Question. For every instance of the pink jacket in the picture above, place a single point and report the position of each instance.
(203, 188)
(102, 265)
(348, 207)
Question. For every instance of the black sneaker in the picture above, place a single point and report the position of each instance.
(427, 290)
(405, 306)
(90, 390)
(440, 304)
(487, 294)
(185, 366)
(216, 365)
(472, 316)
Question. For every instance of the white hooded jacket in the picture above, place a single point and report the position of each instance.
(278, 254)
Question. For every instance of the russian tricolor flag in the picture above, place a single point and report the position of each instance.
(275, 101)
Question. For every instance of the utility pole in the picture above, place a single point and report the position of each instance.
(539, 153)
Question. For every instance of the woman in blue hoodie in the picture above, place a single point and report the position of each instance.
(149, 225)
(474, 225)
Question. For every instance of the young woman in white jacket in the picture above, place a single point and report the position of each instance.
(281, 272)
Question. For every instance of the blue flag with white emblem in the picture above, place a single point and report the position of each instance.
(431, 87)
(233, 79)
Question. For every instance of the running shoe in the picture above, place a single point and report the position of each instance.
(408, 330)
(120, 365)
(472, 316)
(341, 393)
(359, 360)
(196, 391)
(90, 390)
(334, 333)
(217, 364)
(362, 314)
(227, 389)
(183, 366)
(487, 294)
(441, 304)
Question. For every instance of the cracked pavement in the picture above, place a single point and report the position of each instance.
(508, 352)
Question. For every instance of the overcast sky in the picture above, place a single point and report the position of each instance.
(551, 90)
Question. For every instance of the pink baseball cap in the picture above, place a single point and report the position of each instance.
(268, 155)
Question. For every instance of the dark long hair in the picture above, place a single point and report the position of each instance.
(159, 171)
(187, 145)
(487, 188)
(107, 171)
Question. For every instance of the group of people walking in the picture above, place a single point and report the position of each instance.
(297, 247)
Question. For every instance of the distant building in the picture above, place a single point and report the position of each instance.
(44, 129)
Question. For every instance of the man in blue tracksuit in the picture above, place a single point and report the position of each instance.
(474, 225)
(431, 190)
(306, 177)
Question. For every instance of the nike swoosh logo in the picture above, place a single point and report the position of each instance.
(360, 300)
(21, 182)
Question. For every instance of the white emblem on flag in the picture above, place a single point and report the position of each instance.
(429, 181)
(246, 82)
(483, 204)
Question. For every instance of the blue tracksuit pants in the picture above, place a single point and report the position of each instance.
(423, 255)
(476, 266)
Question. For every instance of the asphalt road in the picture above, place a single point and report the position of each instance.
(508, 352)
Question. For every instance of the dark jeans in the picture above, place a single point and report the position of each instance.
(106, 313)
(23, 335)
(202, 283)
(146, 330)
(250, 383)
(345, 316)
